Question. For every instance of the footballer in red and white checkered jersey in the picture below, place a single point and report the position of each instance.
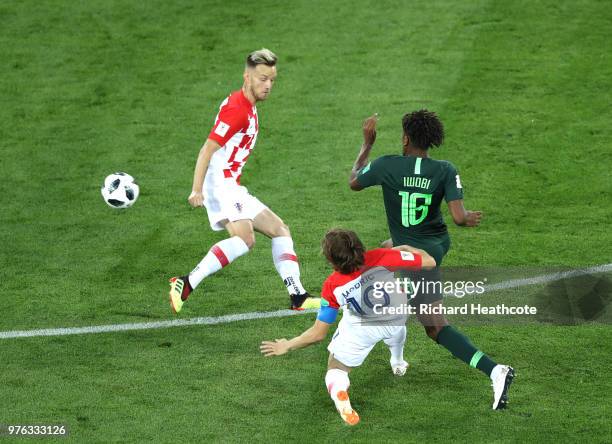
(229, 205)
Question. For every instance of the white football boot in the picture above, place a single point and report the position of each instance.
(399, 369)
(501, 378)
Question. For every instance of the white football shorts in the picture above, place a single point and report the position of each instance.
(230, 202)
(352, 342)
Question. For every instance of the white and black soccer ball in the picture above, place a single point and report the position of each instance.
(120, 190)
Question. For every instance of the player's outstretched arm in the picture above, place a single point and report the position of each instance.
(196, 199)
(314, 334)
(369, 137)
(463, 217)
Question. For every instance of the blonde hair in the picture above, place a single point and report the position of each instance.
(262, 56)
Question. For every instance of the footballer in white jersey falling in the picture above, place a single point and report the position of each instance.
(362, 326)
(216, 186)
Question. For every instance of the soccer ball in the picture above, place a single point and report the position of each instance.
(120, 190)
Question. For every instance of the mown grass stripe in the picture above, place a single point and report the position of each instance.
(514, 283)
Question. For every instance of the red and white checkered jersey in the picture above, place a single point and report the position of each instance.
(235, 129)
(339, 289)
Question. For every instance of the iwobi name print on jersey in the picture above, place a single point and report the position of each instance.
(356, 291)
(236, 127)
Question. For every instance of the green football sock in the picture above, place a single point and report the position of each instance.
(462, 348)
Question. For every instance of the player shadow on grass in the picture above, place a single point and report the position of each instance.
(575, 300)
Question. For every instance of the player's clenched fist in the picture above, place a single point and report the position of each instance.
(369, 129)
(196, 199)
(276, 348)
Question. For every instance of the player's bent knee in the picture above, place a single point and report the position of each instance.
(332, 363)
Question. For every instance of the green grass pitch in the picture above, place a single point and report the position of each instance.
(89, 88)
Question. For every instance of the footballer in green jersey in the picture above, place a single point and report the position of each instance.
(414, 186)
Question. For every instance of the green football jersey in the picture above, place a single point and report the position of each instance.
(413, 189)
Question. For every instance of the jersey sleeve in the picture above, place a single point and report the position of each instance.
(230, 120)
(328, 312)
(399, 259)
(452, 184)
(371, 174)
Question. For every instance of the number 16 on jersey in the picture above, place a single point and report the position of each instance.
(412, 207)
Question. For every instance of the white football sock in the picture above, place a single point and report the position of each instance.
(397, 354)
(396, 347)
(336, 381)
(220, 255)
(286, 264)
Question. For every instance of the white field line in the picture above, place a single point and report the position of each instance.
(514, 283)
(149, 325)
(546, 278)
(543, 279)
